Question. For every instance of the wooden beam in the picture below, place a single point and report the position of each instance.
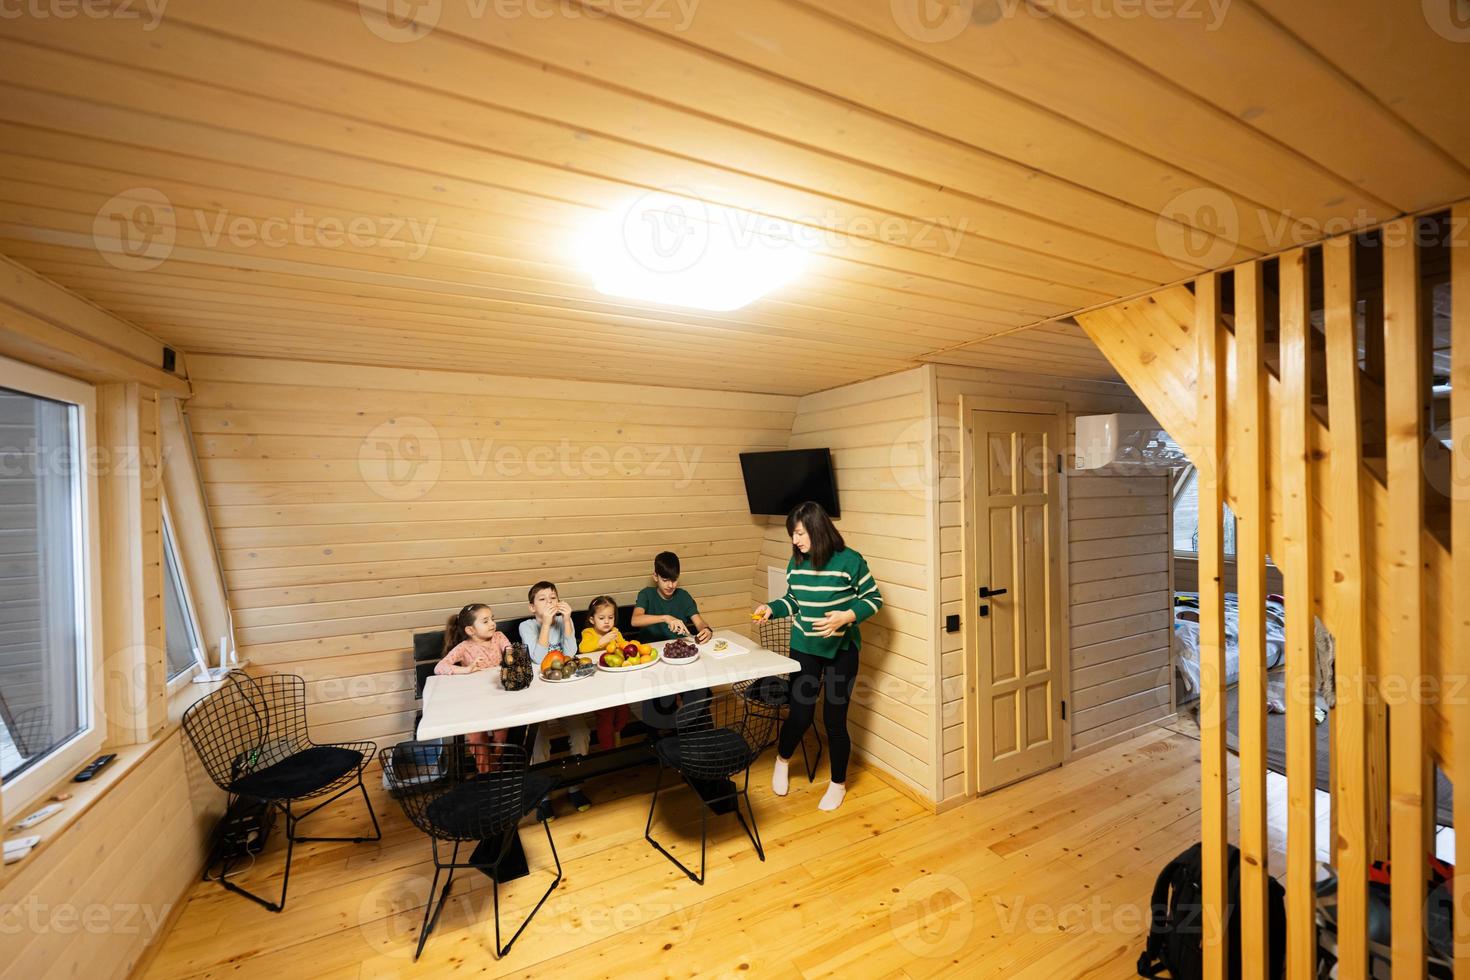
(1350, 716)
(134, 667)
(43, 324)
(1460, 554)
(1209, 457)
(1248, 477)
(1298, 567)
(1402, 542)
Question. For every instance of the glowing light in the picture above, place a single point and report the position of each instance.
(678, 251)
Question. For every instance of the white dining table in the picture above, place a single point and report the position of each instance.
(458, 704)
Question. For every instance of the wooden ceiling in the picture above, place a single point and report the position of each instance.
(975, 176)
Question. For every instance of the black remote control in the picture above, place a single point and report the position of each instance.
(93, 768)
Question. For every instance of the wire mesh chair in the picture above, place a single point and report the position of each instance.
(252, 739)
(29, 728)
(717, 738)
(772, 695)
(480, 794)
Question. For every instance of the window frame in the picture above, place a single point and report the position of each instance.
(170, 544)
(1190, 477)
(18, 792)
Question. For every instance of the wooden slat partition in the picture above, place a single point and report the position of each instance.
(1247, 460)
(1350, 789)
(1403, 669)
(1301, 737)
(1368, 561)
(1214, 784)
(1460, 551)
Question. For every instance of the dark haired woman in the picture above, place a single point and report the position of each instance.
(829, 591)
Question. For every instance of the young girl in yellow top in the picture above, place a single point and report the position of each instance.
(602, 629)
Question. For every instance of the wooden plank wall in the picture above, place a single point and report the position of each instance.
(1120, 603)
(357, 505)
(91, 902)
(1186, 575)
(877, 431)
(1100, 666)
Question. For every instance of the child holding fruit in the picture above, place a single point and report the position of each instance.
(471, 643)
(601, 635)
(550, 628)
(663, 611)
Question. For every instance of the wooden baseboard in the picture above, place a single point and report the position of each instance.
(1112, 740)
(897, 784)
(951, 802)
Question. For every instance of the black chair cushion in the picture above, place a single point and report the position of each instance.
(299, 775)
(467, 811)
(723, 750)
(774, 692)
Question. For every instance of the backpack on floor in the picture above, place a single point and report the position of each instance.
(1175, 933)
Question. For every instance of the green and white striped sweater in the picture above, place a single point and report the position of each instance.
(845, 584)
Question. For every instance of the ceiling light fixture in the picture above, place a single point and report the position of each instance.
(679, 251)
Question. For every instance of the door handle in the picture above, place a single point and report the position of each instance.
(986, 592)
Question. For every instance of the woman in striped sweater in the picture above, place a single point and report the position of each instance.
(829, 591)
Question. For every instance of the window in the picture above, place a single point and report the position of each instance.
(1186, 519)
(180, 625)
(50, 696)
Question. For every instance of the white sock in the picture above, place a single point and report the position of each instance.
(779, 781)
(832, 799)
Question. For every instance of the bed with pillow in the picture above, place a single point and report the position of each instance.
(1186, 632)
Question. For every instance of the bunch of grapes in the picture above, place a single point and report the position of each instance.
(680, 649)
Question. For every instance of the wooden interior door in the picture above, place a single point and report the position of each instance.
(1017, 652)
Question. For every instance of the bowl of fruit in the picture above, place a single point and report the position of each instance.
(630, 656)
(681, 651)
(559, 669)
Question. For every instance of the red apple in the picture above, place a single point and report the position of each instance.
(630, 650)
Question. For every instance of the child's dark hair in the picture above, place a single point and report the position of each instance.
(826, 539)
(598, 603)
(459, 622)
(666, 566)
(538, 587)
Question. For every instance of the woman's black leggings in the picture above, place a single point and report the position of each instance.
(840, 674)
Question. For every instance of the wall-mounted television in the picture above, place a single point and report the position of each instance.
(775, 482)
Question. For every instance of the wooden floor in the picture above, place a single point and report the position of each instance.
(1049, 878)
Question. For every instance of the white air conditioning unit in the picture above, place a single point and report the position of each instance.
(1136, 439)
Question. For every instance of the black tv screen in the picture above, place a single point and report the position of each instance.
(775, 482)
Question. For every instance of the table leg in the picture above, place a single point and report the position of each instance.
(512, 866)
(720, 790)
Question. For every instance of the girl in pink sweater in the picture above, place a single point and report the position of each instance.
(471, 643)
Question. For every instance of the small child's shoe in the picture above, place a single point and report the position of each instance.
(579, 800)
(544, 812)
